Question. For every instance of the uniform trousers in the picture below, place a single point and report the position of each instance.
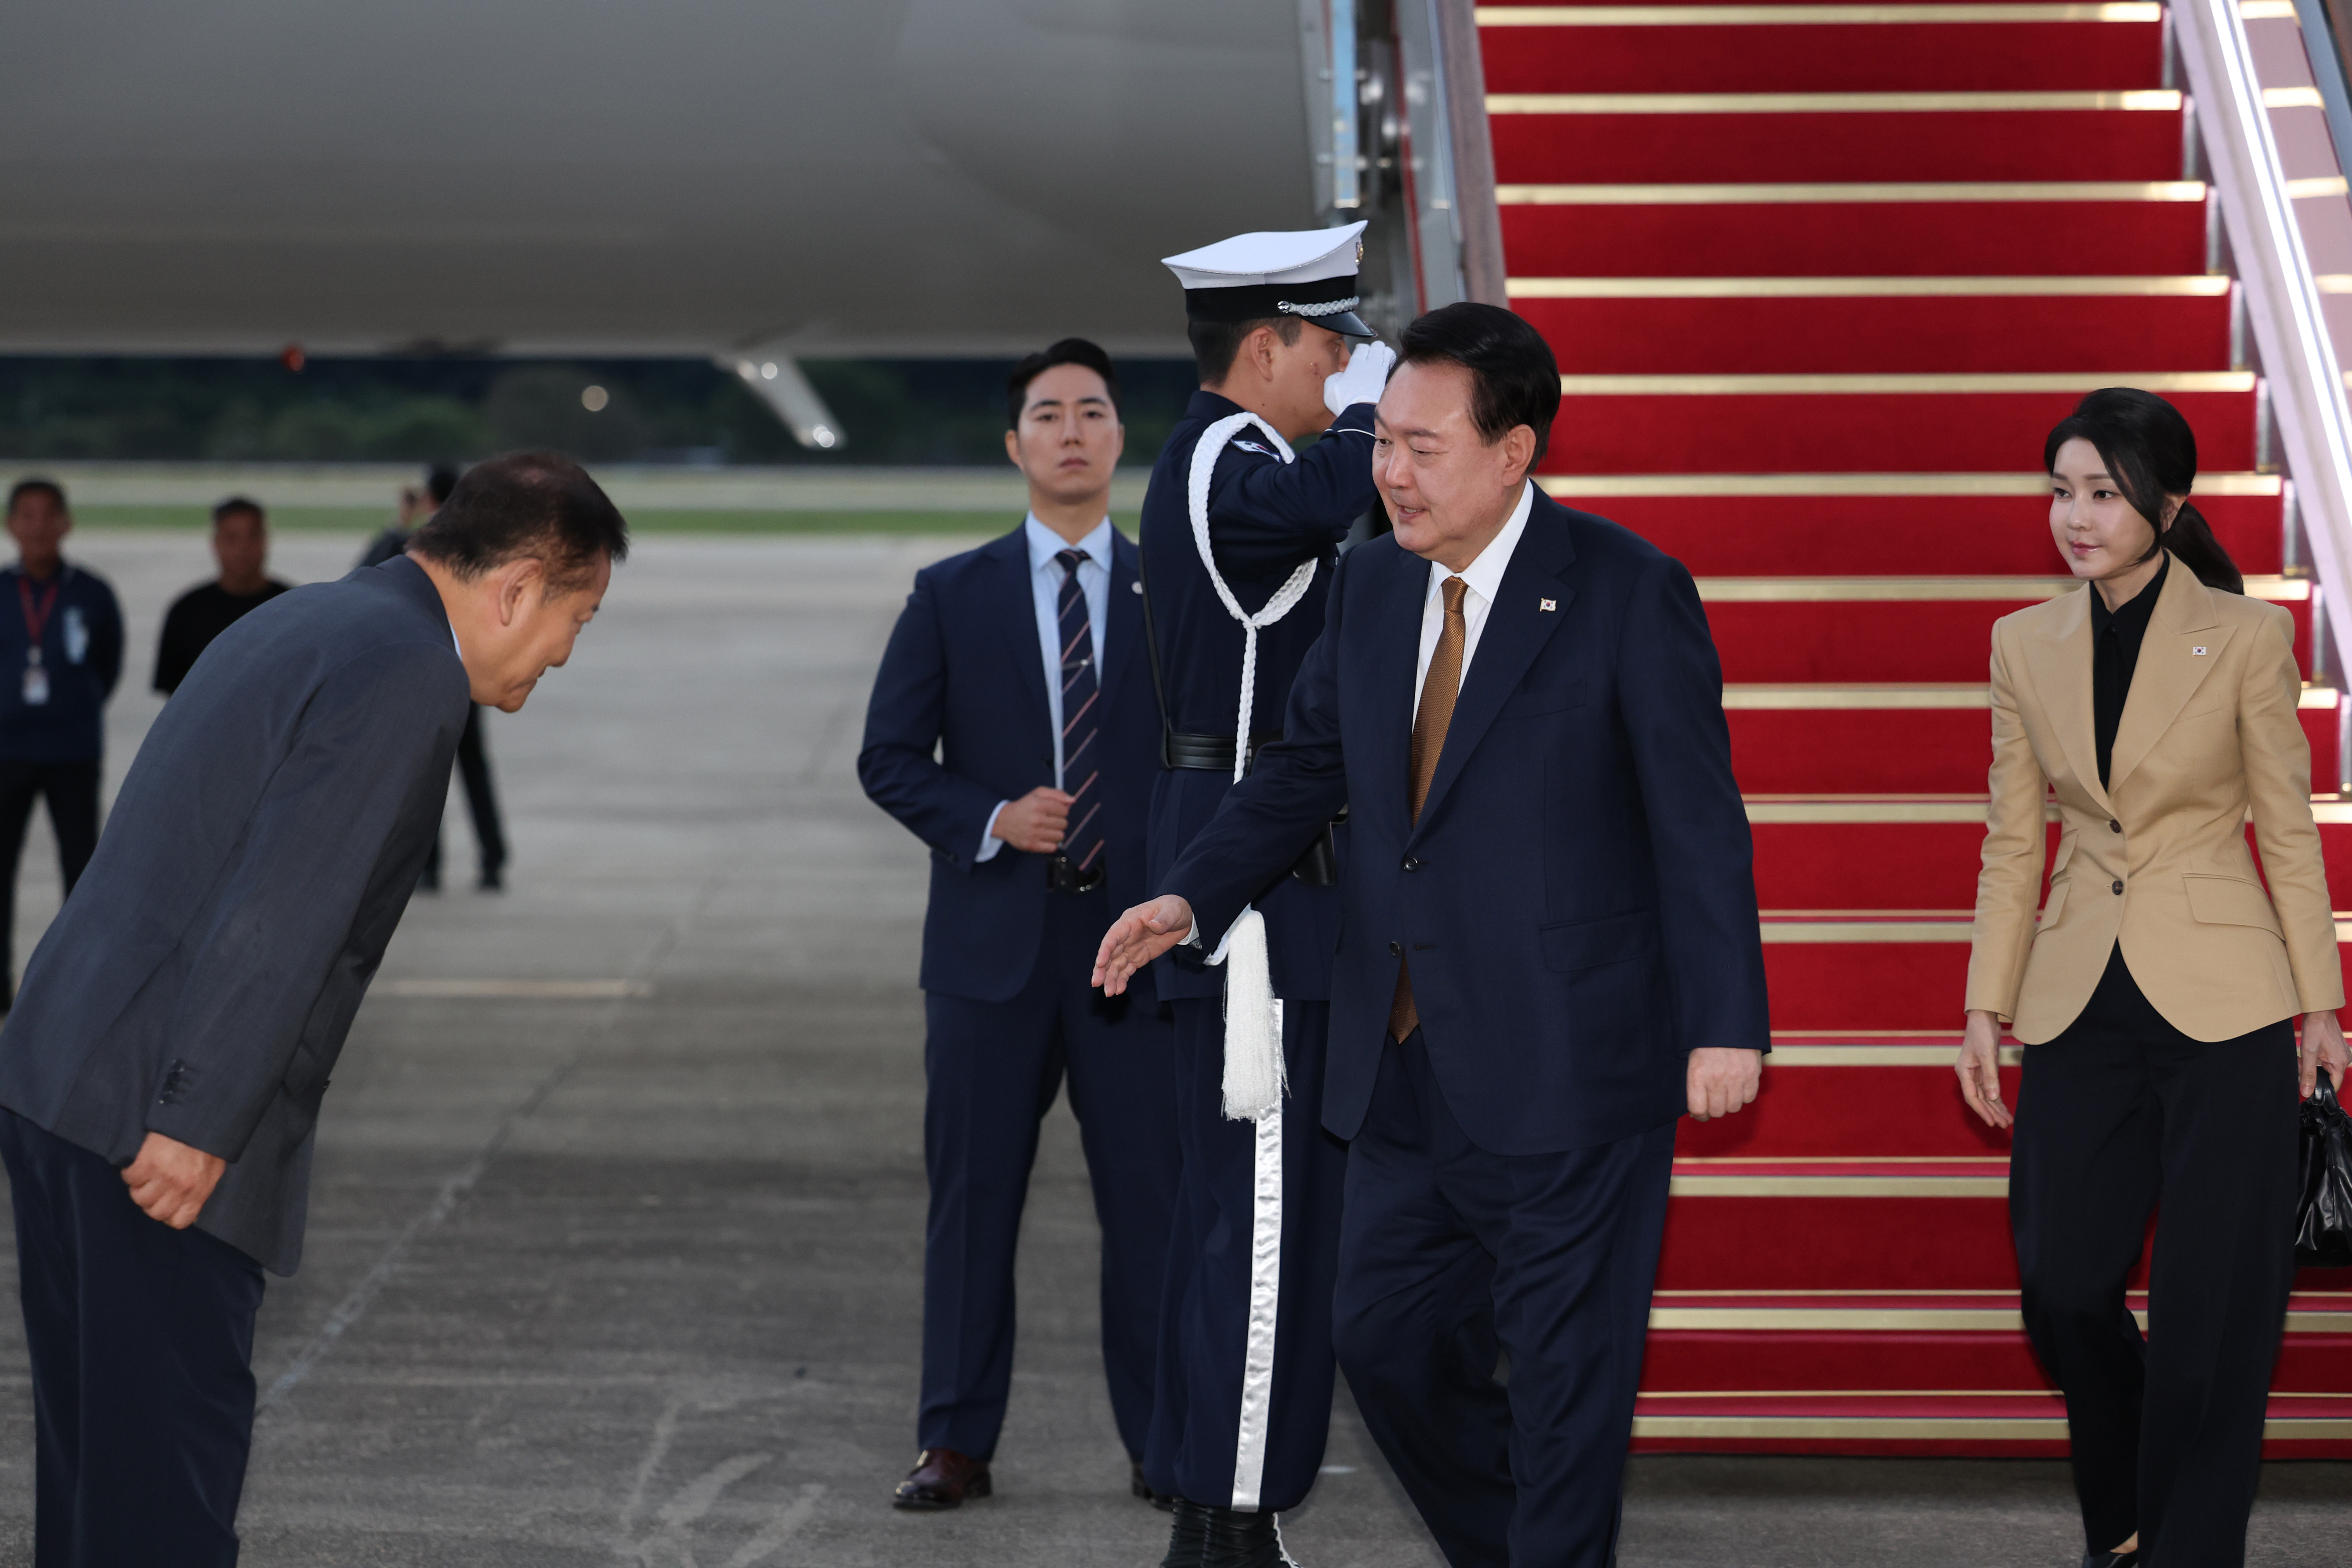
(2120, 1115)
(1452, 1257)
(481, 800)
(1243, 1401)
(141, 1341)
(993, 1070)
(72, 790)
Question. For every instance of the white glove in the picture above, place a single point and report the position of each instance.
(1367, 373)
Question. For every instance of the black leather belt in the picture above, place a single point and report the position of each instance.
(1061, 877)
(1209, 753)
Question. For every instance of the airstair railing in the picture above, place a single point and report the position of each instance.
(2292, 348)
(2322, 43)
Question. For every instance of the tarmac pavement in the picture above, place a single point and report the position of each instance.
(616, 1244)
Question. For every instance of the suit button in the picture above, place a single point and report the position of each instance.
(2115, 888)
(1411, 863)
(2114, 827)
(1396, 950)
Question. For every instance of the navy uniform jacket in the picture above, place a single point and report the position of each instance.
(1266, 516)
(81, 648)
(1577, 895)
(201, 980)
(957, 722)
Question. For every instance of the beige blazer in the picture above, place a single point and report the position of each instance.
(2157, 859)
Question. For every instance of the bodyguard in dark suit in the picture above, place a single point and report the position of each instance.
(1013, 730)
(161, 1073)
(1551, 945)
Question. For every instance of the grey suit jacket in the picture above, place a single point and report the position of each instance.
(199, 981)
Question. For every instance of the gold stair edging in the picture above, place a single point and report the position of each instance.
(2186, 284)
(2136, 101)
(1850, 194)
(1803, 15)
(1624, 487)
(1904, 1319)
(1932, 1429)
(1791, 696)
(1955, 384)
(1864, 590)
(1709, 1186)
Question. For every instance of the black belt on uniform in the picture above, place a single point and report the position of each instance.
(1209, 753)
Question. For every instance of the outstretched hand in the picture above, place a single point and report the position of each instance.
(1721, 1080)
(1138, 937)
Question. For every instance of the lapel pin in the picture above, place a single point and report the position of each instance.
(1554, 605)
(2198, 651)
(1137, 588)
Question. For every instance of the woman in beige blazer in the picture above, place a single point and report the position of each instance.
(2157, 993)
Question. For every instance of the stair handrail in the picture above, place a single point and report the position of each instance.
(2283, 302)
(2325, 48)
(1462, 72)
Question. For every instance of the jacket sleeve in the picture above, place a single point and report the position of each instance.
(1295, 786)
(370, 753)
(2008, 887)
(1670, 696)
(899, 764)
(2278, 788)
(1265, 515)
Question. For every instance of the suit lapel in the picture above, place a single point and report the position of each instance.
(2169, 669)
(2059, 664)
(1531, 606)
(1019, 620)
(1123, 638)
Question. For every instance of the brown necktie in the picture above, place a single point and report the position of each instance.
(1439, 687)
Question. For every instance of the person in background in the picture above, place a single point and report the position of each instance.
(241, 545)
(61, 639)
(1026, 657)
(473, 753)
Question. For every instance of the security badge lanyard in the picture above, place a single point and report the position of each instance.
(36, 621)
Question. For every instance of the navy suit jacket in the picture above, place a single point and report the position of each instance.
(201, 978)
(1577, 897)
(959, 721)
(1265, 517)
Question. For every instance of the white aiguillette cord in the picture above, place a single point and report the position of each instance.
(1255, 1079)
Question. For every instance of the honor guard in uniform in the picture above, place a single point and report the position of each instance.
(1239, 535)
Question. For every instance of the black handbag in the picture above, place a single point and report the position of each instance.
(2323, 1211)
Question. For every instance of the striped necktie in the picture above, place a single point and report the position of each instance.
(1081, 720)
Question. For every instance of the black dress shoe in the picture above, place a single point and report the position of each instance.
(1142, 1489)
(1188, 1535)
(941, 1479)
(1238, 1540)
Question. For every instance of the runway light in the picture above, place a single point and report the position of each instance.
(593, 398)
(822, 435)
(768, 371)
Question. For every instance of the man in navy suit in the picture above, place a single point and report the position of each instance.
(1551, 948)
(163, 1069)
(1013, 730)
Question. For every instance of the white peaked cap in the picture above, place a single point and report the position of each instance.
(1297, 255)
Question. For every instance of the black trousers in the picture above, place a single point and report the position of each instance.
(992, 1070)
(72, 790)
(481, 800)
(141, 1341)
(2123, 1114)
(1450, 1255)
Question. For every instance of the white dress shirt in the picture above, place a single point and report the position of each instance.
(1485, 578)
(1046, 593)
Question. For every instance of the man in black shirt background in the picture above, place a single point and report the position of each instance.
(241, 545)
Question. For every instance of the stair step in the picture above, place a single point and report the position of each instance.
(1988, 334)
(1824, 229)
(1765, 1362)
(1903, 739)
(2307, 1425)
(1789, 48)
(1751, 138)
(1820, 422)
(1805, 524)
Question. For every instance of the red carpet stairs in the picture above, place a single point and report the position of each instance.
(1819, 278)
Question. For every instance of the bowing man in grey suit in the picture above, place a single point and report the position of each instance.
(161, 1073)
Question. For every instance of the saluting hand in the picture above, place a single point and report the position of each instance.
(171, 1180)
(1721, 1080)
(2321, 1046)
(1138, 937)
(1979, 1069)
(1036, 822)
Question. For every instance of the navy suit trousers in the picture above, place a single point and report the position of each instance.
(993, 1070)
(1213, 1439)
(1452, 1258)
(142, 1338)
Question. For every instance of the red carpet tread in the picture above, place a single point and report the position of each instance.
(2106, 335)
(1827, 237)
(1568, 141)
